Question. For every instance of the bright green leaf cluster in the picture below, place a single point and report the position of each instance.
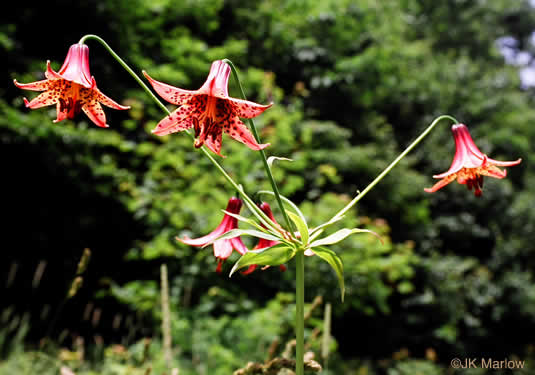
(290, 243)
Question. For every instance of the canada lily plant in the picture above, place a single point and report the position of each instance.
(210, 112)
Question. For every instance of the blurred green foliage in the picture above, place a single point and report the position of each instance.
(353, 83)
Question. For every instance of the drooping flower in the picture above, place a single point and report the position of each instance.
(209, 111)
(223, 247)
(263, 243)
(72, 89)
(470, 164)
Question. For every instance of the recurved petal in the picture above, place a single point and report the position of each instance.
(62, 113)
(94, 111)
(108, 102)
(180, 119)
(201, 241)
(213, 141)
(42, 100)
(50, 73)
(493, 171)
(33, 86)
(440, 184)
(170, 93)
(247, 109)
(504, 163)
(237, 130)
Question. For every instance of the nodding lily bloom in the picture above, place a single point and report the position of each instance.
(469, 164)
(72, 89)
(263, 243)
(209, 111)
(222, 248)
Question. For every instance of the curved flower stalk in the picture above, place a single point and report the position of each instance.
(209, 111)
(470, 164)
(72, 89)
(222, 247)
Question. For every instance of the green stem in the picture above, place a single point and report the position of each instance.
(299, 312)
(392, 165)
(262, 152)
(164, 108)
(126, 67)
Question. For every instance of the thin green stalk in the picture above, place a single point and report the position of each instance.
(164, 108)
(299, 258)
(392, 165)
(299, 312)
(262, 152)
(126, 67)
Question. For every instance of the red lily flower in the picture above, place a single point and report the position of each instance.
(263, 243)
(72, 89)
(222, 248)
(469, 164)
(209, 111)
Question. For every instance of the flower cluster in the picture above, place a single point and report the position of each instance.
(210, 112)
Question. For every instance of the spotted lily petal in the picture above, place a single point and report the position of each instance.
(247, 109)
(42, 100)
(178, 120)
(170, 93)
(239, 131)
(94, 111)
(34, 86)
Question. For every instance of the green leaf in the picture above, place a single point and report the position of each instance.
(340, 235)
(319, 229)
(245, 232)
(335, 262)
(271, 256)
(301, 225)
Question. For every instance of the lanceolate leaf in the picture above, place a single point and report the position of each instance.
(316, 232)
(245, 232)
(301, 225)
(271, 256)
(335, 262)
(319, 229)
(340, 235)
